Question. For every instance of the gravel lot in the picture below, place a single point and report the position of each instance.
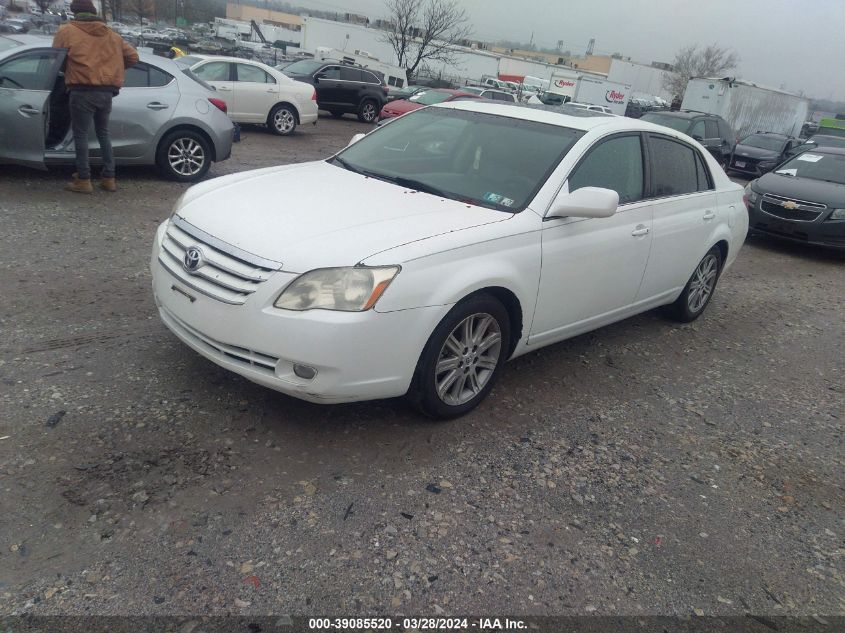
(646, 468)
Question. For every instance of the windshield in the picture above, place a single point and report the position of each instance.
(430, 97)
(824, 141)
(763, 141)
(816, 166)
(678, 124)
(304, 67)
(488, 160)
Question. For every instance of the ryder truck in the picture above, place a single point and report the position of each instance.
(593, 89)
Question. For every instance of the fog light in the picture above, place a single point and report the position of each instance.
(304, 371)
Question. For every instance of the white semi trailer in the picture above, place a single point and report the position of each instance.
(747, 107)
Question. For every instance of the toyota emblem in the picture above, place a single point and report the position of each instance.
(193, 259)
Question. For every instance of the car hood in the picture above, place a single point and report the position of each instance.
(746, 151)
(829, 193)
(317, 215)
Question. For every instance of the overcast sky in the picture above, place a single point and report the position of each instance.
(795, 43)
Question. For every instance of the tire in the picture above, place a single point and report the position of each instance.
(177, 145)
(700, 288)
(479, 316)
(368, 111)
(282, 120)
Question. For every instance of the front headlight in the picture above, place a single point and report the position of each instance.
(346, 289)
(750, 195)
(838, 214)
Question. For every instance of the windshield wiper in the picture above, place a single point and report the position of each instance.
(345, 164)
(410, 183)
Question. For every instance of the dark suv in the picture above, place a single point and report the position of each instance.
(343, 88)
(710, 130)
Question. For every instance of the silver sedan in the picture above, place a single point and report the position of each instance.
(163, 116)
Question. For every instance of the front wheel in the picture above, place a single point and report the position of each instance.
(368, 111)
(462, 358)
(699, 289)
(282, 120)
(184, 156)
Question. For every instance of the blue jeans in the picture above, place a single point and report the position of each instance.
(87, 107)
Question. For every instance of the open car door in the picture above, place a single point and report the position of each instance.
(26, 80)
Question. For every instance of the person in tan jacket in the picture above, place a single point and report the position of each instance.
(96, 60)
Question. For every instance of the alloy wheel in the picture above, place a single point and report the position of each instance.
(368, 112)
(283, 120)
(702, 283)
(186, 156)
(468, 358)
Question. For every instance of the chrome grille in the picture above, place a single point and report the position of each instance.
(263, 362)
(225, 273)
(803, 211)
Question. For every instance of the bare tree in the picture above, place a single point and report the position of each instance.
(692, 61)
(141, 8)
(425, 31)
(44, 5)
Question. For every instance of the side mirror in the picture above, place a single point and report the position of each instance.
(586, 202)
(356, 138)
(696, 137)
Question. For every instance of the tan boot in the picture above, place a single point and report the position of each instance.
(79, 185)
(108, 184)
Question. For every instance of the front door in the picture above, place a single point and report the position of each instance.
(26, 81)
(329, 87)
(219, 75)
(592, 268)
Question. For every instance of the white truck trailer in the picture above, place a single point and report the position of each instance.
(591, 89)
(748, 108)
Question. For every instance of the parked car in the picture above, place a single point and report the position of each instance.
(803, 200)
(207, 46)
(526, 227)
(590, 106)
(818, 140)
(422, 99)
(17, 26)
(256, 93)
(162, 115)
(710, 130)
(761, 152)
(343, 88)
(490, 93)
(394, 94)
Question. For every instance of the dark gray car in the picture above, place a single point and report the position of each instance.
(163, 116)
(803, 200)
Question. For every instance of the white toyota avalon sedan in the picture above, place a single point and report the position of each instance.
(423, 256)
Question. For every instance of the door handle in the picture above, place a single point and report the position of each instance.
(271, 90)
(709, 215)
(640, 231)
(155, 105)
(28, 109)
(224, 89)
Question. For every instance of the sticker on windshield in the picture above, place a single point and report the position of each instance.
(810, 158)
(506, 202)
(495, 198)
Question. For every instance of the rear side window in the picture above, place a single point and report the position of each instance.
(711, 129)
(616, 164)
(727, 132)
(350, 74)
(705, 182)
(674, 170)
(143, 76)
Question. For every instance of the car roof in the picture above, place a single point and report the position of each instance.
(590, 119)
(821, 149)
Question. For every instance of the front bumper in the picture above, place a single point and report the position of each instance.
(819, 232)
(357, 355)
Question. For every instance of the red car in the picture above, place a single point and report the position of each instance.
(422, 99)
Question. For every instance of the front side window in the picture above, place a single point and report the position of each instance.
(253, 74)
(697, 130)
(30, 71)
(617, 164)
(329, 72)
(711, 129)
(673, 168)
(213, 71)
(487, 160)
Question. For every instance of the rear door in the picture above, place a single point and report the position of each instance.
(26, 79)
(146, 102)
(351, 86)
(256, 91)
(683, 200)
